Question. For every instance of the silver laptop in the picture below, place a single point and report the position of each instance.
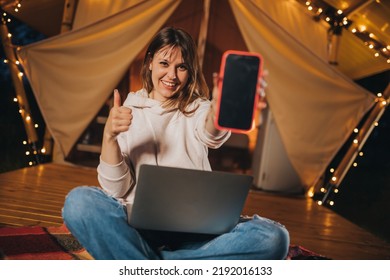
(186, 200)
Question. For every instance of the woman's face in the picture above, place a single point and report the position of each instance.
(169, 73)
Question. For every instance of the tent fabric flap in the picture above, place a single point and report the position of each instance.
(73, 74)
(315, 106)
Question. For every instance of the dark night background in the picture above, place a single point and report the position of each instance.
(364, 192)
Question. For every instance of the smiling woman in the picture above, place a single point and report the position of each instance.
(169, 73)
(170, 123)
(170, 68)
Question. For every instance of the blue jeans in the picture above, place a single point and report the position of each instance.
(99, 222)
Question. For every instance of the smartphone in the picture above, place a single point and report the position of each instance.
(238, 84)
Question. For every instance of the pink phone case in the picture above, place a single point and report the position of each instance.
(220, 85)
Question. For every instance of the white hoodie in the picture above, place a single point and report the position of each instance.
(161, 138)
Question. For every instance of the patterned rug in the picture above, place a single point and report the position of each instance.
(57, 243)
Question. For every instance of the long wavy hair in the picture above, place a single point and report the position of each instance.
(195, 87)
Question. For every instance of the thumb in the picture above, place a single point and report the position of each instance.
(117, 98)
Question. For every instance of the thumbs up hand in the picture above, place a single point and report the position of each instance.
(119, 118)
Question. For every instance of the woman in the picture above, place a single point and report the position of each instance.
(170, 123)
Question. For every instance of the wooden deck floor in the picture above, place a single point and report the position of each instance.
(34, 197)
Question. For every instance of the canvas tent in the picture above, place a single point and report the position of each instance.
(315, 105)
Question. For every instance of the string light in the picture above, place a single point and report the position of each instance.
(337, 21)
(332, 186)
(30, 144)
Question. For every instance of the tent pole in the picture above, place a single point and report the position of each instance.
(17, 79)
(68, 15)
(203, 31)
(358, 143)
(66, 25)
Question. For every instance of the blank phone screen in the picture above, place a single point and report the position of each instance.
(240, 77)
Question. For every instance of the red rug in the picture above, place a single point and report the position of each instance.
(57, 243)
